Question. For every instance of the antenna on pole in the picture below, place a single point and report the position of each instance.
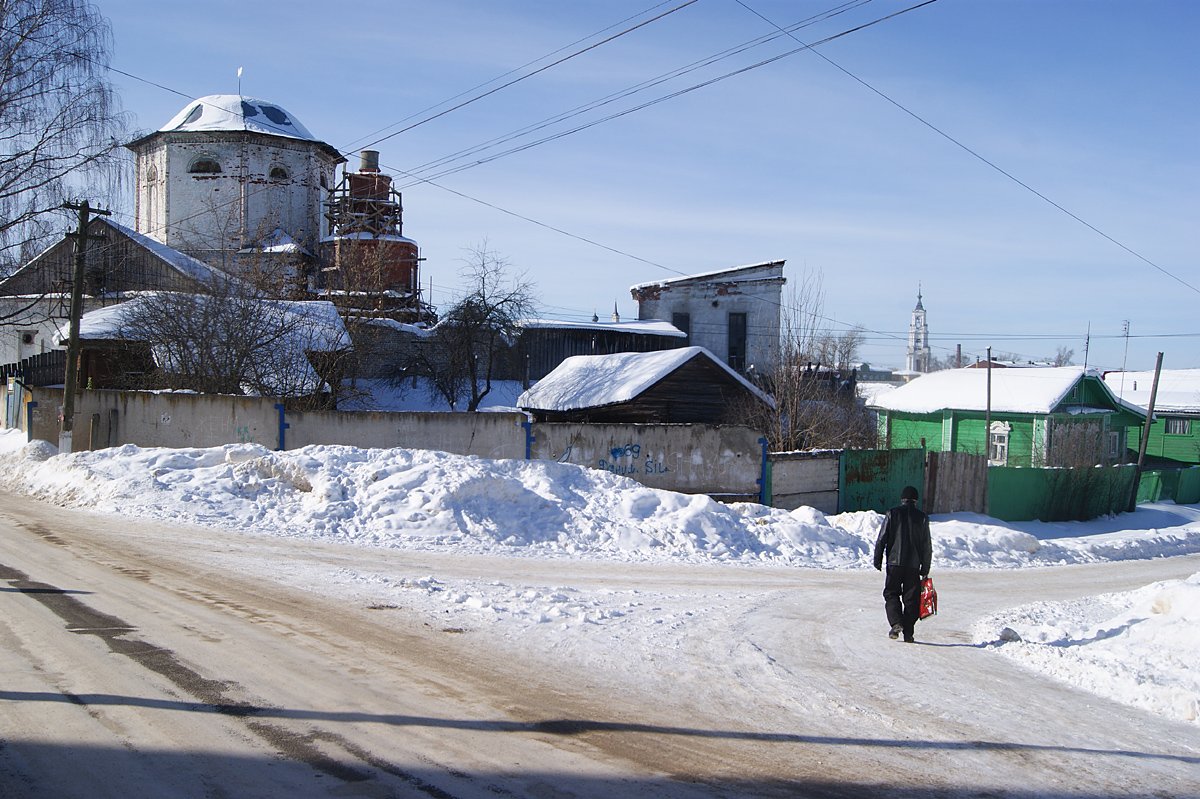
(239, 81)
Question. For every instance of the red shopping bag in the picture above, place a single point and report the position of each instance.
(928, 598)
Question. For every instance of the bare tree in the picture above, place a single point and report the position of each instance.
(467, 346)
(60, 124)
(1063, 356)
(816, 405)
(228, 339)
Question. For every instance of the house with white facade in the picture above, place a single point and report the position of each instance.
(733, 313)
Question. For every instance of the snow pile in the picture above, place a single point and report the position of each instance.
(417, 499)
(1139, 647)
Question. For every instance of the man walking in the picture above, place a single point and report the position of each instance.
(904, 541)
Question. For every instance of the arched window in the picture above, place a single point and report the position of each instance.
(278, 173)
(205, 165)
(151, 174)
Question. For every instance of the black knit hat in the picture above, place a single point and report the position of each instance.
(908, 492)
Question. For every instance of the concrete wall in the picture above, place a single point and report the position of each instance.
(487, 435)
(805, 478)
(692, 458)
(700, 459)
(113, 418)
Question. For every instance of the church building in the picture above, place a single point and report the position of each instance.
(917, 361)
(230, 175)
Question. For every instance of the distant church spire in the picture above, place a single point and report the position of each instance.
(918, 339)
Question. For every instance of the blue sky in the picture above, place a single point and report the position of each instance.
(1091, 103)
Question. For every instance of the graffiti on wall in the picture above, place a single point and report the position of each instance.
(628, 460)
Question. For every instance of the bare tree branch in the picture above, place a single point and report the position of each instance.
(59, 119)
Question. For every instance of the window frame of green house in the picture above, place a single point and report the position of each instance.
(998, 440)
(1185, 426)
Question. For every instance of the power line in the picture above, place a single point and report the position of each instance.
(513, 71)
(638, 87)
(537, 71)
(676, 94)
(980, 157)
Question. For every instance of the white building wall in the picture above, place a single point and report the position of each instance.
(710, 300)
(211, 216)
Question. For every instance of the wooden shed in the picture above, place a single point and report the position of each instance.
(685, 385)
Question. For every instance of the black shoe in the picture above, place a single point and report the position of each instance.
(908, 639)
(894, 633)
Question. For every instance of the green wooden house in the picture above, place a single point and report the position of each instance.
(1052, 416)
(1175, 433)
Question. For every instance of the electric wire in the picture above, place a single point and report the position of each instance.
(981, 158)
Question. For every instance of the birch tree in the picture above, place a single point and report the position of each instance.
(60, 123)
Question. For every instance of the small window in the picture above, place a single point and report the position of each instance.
(151, 174)
(278, 173)
(682, 322)
(1114, 446)
(205, 165)
(1178, 427)
(998, 444)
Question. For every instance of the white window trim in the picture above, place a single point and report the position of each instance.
(1000, 431)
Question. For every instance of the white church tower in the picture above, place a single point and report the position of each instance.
(918, 340)
(231, 174)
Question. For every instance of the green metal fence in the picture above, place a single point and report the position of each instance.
(871, 479)
(1179, 485)
(1055, 495)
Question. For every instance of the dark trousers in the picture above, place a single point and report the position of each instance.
(902, 597)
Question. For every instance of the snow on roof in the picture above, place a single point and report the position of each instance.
(1178, 389)
(592, 381)
(648, 327)
(221, 112)
(728, 274)
(323, 330)
(278, 242)
(1013, 391)
(180, 262)
(360, 236)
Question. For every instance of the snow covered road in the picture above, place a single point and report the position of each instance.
(142, 658)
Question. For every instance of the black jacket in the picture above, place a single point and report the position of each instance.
(904, 539)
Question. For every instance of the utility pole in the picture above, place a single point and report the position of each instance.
(1137, 477)
(71, 379)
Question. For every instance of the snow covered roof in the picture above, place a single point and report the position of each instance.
(323, 330)
(360, 236)
(648, 327)
(1013, 391)
(1178, 389)
(592, 381)
(177, 261)
(181, 262)
(218, 112)
(726, 274)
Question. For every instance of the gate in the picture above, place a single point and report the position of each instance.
(871, 479)
(956, 481)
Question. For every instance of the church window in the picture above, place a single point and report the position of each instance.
(278, 173)
(205, 165)
(151, 174)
